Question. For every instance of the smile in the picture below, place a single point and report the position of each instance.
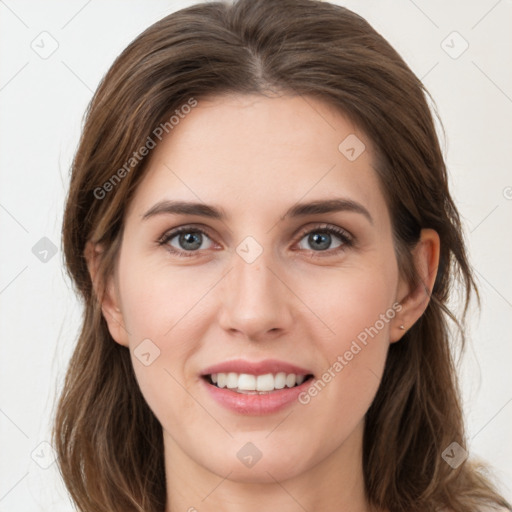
(256, 384)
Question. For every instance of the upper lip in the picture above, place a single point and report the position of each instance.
(255, 367)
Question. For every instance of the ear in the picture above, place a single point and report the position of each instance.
(415, 299)
(107, 293)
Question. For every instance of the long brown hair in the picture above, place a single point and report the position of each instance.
(108, 441)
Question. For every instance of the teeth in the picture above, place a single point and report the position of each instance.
(280, 380)
(222, 379)
(265, 382)
(246, 382)
(232, 380)
(242, 382)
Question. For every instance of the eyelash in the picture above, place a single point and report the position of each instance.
(346, 239)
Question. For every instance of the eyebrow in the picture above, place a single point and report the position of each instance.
(169, 207)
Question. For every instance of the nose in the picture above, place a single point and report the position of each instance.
(256, 304)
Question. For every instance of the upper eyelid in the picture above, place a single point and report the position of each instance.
(171, 233)
(324, 226)
(303, 231)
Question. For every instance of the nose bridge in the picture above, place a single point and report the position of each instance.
(254, 300)
(252, 282)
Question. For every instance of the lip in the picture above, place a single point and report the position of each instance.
(255, 405)
(256, 367)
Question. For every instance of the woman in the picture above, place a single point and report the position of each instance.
(260, 226)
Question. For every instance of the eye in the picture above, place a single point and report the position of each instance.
(186, 240)
(326, 238)
(189, 240)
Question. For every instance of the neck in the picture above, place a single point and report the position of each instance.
(335, 483)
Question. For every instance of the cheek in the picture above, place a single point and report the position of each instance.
(358, 308)
(157, 299)
(354, 300)
(163, 316)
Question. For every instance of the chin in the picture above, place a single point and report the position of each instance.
(254, 459)
(263, 472)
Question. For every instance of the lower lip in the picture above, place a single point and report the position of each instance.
(256, 405)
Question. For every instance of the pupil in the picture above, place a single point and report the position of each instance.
(190, 241)
(320, 240)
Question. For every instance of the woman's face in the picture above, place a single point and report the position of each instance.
(257, 285)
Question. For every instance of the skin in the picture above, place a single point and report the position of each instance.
(255, 156)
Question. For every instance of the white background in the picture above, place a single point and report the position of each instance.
(42, 102)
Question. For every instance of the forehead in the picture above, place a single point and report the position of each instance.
(255, 154)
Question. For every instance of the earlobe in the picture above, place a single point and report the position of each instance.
(106, 294)
(416, 299)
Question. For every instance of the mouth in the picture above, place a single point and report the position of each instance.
(251, 384)
(255, 388)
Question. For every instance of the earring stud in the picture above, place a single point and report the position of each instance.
(402, 327)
